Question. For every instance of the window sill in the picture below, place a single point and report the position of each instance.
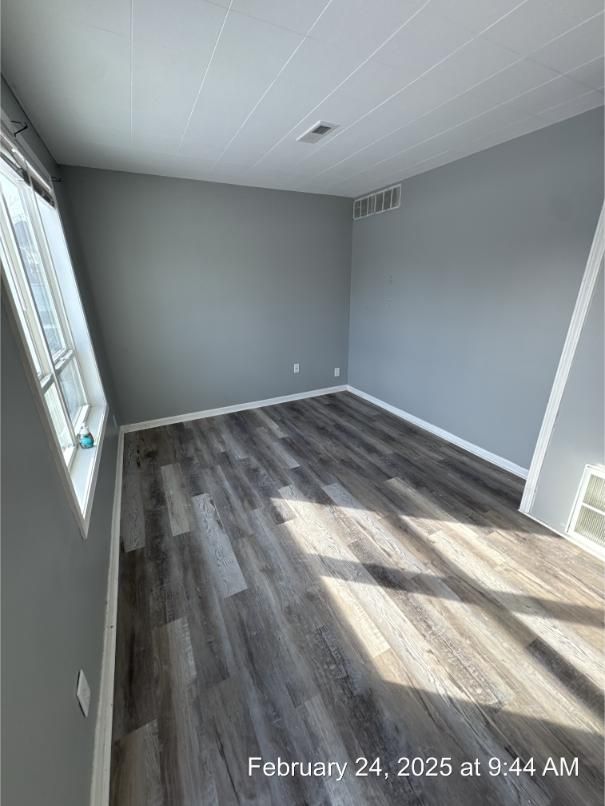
(85, 466)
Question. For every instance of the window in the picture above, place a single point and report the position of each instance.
(39, 277)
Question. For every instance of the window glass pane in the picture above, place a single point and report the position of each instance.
(34, 268)
(59, 421)
(73, 391)
(53, 229)
(19, 304)
(33, 352)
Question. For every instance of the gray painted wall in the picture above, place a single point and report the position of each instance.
(207, 294)
(578, 437)
(53, 594)
(461, 299)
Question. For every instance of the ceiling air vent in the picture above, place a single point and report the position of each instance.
(588, 516)
(317, 132)
(379, 202)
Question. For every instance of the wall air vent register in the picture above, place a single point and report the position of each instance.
(588, 516)
(379, 202)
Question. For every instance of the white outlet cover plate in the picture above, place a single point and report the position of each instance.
(337, 372)
(83, 692)
(296, 369)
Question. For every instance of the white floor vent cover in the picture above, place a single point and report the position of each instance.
(588, 517)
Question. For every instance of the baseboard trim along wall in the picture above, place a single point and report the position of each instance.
(499, 461)
(255, 404)
(99, 792)
(493, 458)
(583, 543)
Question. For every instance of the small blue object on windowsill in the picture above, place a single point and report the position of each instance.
(85, 438)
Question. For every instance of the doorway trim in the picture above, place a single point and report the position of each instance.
(572, 339)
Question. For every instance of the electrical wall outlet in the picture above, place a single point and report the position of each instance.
(83, 692)
(337, 372)
(296, 369)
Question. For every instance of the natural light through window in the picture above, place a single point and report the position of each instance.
(39, 277)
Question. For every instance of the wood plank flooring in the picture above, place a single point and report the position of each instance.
(321, 582)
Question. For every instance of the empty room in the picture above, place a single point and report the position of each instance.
(303, 408)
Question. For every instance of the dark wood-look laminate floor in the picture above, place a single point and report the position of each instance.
(319, 581)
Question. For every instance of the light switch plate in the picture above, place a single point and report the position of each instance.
(83, 692)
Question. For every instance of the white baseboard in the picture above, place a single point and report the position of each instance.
(493, 458)
(255, 404)
(579, 541)
(99, 793)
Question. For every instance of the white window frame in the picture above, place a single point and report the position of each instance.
(79, 467)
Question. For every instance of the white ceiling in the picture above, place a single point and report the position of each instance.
(220, 90)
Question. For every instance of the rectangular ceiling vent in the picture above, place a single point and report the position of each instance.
(317, 132)
(588, 516)
(379, 202)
